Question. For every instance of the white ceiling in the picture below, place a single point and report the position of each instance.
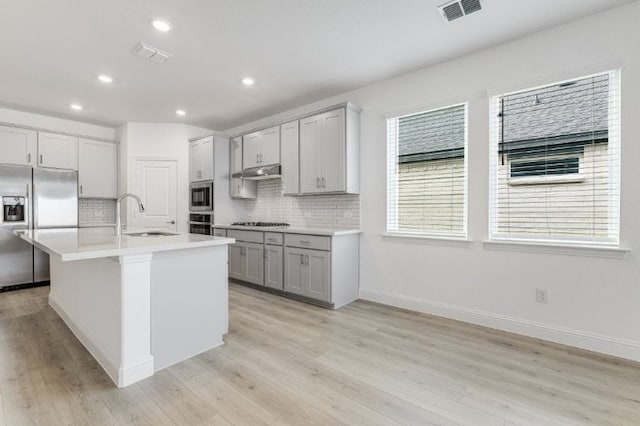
(299, 51)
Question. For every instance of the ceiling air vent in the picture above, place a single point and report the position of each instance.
(459, 8)
(151, 53)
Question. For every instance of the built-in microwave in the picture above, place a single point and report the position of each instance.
(201, 196)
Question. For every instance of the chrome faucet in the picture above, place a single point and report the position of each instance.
(118, 202)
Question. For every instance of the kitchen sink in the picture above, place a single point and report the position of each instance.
(151, 234)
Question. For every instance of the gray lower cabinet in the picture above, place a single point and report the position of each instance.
(308, 273)
(318, 267)
(273, 273)
(246, 262)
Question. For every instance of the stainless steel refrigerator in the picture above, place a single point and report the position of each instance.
(32, 198)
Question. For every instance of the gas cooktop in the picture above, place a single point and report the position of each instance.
(259, 224)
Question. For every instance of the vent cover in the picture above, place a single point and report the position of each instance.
(151, 53)
(459, 8)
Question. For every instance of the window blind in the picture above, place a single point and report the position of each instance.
(426, 170)
(555, 162)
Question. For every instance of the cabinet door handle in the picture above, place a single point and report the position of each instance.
(317, 182)
(29, 158)
(239, 192)
(80, 189)
(304, 242)
(271, 240)
(40, 158)
(324, 183)
(302, 259)
(257, 159)
(172, 222)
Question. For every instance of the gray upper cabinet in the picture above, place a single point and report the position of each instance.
(261, 148)
(18, 146)
(289, 141)
(201, 160)
(329, 152)
(239, 188)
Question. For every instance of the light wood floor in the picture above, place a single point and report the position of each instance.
(285, 362)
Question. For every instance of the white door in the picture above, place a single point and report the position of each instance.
(57, 151)
(156, 184)
(97, 169)
(18, 146)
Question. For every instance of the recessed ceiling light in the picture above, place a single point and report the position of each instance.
(77, 107)
(181, 112)
(105, 78)
(248, 81)
(161, 25)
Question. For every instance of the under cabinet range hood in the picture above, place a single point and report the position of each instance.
(259, 173)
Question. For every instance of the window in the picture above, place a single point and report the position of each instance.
(427, 172)
(555, 162)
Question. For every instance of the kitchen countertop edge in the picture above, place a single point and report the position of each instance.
(292, 230)
(158, 246)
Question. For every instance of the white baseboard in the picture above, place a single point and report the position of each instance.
(136, 372)
(593, 342)
(120, 376)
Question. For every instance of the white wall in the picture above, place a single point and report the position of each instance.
(158, 141)
(56, 124)
(594, 301)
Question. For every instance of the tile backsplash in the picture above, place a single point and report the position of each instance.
(95, 212)
(314, 211)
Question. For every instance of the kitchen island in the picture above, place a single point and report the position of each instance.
(138, 302)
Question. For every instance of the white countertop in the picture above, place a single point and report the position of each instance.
(93, 243)
(293, 230)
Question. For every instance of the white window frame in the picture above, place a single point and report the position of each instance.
(615, 102)
(392, 181)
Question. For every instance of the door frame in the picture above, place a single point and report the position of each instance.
(132, 185)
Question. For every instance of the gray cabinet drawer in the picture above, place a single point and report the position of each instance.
(219, 232)
(307, 241)
(248, 236)
(274, 238)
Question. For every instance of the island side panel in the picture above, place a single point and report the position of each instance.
(86, 295)
(189, 303)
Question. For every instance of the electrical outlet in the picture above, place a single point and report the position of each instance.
(542, 295)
